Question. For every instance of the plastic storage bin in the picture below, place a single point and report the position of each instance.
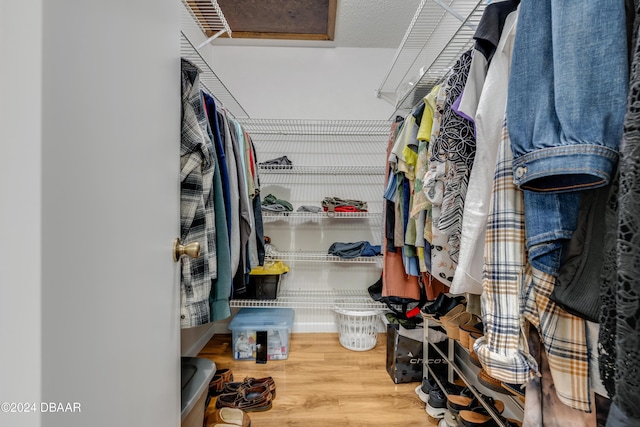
(195, 376)
(265, 280)
(276, 321)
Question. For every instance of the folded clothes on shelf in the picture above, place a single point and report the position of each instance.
(336, 204)
(272, 203)
(278, 161)
(310, 209)
(354, 249)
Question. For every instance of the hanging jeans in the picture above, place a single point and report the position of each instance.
(565, 110)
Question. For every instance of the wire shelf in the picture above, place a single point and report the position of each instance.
(440, 32)
(259, 127)
(326, 300)
(206, 16)
(320, 257)
(322, 170)
(209, 80)
(320, 215)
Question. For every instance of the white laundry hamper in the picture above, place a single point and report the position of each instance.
(358, 329)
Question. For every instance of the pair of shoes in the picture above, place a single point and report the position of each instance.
(227, 417)
(457, 403)
(220, 378)
(442, 304)
(491, 383)
(454, 323)
(234, 387)
(249, 399)
(437, 402)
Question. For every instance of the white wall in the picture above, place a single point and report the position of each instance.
(20, 191)
(304, 83)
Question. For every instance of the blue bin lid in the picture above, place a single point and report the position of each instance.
(262, 317)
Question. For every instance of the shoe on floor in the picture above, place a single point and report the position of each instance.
(248, 399)
(425, 387)
(220, 378)
(227, 417)
(234, 387)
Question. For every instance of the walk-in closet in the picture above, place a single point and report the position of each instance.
(320, 212)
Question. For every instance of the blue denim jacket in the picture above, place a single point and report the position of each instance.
(565, 112)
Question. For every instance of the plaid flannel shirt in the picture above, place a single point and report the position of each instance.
(515, 293)
(197, 220)
(500, 350)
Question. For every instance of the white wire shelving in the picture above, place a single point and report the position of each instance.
(302, 256)
(321, 146)
(327, 158)
(439, 33)
(205, 16)
(323, 170)
(329, 128)
(304, 216)
(198, 19)
(313, 299)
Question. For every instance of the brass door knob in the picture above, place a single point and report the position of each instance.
(190, 249)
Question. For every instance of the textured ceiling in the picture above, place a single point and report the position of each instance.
(373, 23)
(359, 23)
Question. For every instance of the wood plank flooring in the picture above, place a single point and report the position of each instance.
(325, 384)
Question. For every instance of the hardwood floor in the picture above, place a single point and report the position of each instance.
(325, 384)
